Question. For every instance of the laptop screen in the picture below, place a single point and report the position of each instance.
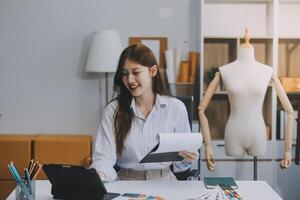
(68, 181)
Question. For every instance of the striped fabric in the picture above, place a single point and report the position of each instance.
(168, 115)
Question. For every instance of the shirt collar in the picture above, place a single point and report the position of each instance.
(160, 103)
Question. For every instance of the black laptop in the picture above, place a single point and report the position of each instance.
(76, 182)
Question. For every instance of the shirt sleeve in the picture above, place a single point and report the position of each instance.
(182, 126)
(104, 156)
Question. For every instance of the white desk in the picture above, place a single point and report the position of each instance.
(171, 190)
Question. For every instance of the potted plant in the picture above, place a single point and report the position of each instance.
(211, 75)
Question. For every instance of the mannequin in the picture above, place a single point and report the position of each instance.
(246, 81)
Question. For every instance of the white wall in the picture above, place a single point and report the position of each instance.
(288, 27)
(43, 47)
(231, 19)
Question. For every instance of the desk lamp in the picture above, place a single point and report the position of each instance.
(104, 54)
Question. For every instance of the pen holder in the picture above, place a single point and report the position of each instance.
(23, 195)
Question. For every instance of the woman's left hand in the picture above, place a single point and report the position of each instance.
(188, 156)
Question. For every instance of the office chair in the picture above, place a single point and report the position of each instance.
(195, 173)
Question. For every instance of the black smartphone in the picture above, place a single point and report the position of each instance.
(131, 195)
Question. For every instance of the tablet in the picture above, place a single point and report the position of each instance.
(76, 182)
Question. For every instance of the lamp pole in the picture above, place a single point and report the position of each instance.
(103, 54)
(106, 87)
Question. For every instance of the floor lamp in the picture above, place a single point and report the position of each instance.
(103, 54)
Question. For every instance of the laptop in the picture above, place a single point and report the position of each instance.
(76, 182)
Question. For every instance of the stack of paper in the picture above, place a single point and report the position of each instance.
(170, 144)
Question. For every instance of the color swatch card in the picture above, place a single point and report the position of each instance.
(230, 192)
(213, 194)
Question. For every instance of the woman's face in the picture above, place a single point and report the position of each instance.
(138, 78)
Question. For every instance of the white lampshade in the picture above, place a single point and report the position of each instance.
(104, 52)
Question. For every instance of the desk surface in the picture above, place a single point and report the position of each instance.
(174, 190)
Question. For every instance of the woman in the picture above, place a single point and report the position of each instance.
(131, 122)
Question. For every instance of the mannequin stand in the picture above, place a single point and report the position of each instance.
(255, 168)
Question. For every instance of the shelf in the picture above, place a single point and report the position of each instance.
(231, 37)
(293, 93)
(289, 37)
(289, 1)
(184, 83)
(219, 93)
(224, 92)
(240, 1)
(236, 37)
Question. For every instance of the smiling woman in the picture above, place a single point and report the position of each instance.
(137, 76)
(131, 122)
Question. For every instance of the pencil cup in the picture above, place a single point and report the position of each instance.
(25, 195)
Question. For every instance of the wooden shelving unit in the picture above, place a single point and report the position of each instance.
(289, 57)
(275, 35)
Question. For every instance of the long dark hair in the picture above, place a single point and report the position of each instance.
(123, 116)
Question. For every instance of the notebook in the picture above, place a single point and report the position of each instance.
(170, 144)
(212, 182)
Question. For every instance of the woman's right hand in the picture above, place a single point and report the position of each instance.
(210, 158)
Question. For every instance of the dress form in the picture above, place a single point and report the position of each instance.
(246, 81)
(245, 131)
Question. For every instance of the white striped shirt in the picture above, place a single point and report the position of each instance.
(167, 115)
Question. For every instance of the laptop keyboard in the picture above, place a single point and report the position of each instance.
(110, 196)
